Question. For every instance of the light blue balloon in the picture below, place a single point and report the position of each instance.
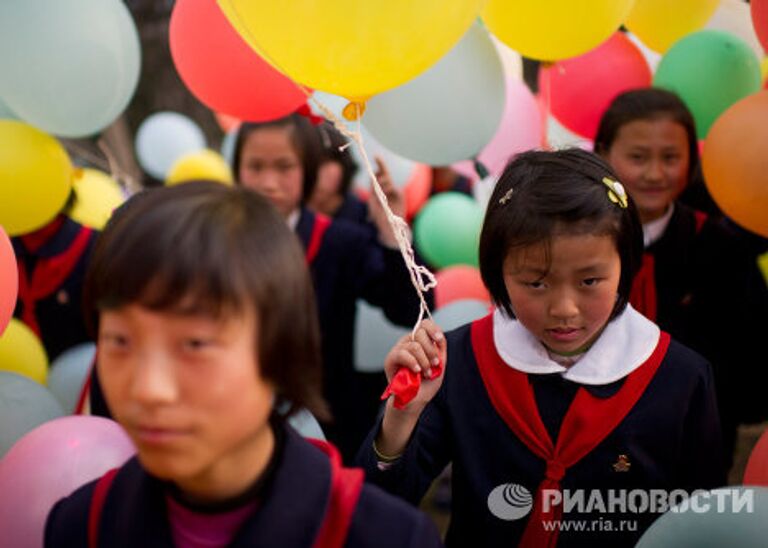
(737, 523)
(448, 113)
(458, 313)
(228, 147)
(6, 113)
(375, 336)
(24, 405)
(69, 68)
(69, 372)
(163, 138)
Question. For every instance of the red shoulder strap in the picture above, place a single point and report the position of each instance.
(346, 485)
(97, 504)
(318, 229)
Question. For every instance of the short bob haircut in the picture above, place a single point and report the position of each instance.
(203, 247)
(647, 104)
(542, 194)
(304, 137)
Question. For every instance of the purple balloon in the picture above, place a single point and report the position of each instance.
(49, 463)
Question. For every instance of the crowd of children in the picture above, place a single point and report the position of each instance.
(622, 352)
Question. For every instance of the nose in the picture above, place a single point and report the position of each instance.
(654, 171)
(154, 379)
(563, 306)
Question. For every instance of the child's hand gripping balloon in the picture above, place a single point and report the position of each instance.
(414, 367)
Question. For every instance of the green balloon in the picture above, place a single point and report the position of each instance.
(447, 230)
(710, 70)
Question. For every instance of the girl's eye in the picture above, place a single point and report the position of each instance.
(113, 341)
(538, 284)
(590, 282)
(196, 344)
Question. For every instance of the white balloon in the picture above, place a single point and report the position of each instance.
(69, 372)
(163, 138)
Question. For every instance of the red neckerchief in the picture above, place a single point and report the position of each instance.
(35, 240)
(48, 274)
(643, 296)
(588, 421)
(318, 229)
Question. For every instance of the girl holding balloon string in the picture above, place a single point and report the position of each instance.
(206, 324)
(279, 159)
(564, 386)
(697, 281)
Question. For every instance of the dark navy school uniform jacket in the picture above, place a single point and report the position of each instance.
(671, 439)
(712, 298)
(352, 265)
(59, 315)
(290, 514)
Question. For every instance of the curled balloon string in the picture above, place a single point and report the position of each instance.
(422, 279)
(117, 172)
(405, 385)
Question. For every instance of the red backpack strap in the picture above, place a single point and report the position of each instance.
(97, 505)
(346, 485)
(318, 229)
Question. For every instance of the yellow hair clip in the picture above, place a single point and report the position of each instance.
(616, 192)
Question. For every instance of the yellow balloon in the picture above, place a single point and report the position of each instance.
(348, 47)
(22, 352)
(35, 177)
(556, 29)
(97, 195)
(764, 68)
(660, 23)
(204, 164)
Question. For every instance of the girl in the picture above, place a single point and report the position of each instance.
(279, 159)
(563, 387)
(696, 280)
(206, 322)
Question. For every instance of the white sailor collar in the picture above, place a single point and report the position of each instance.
(625, 344)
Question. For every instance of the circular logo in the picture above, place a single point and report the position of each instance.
(510, 501)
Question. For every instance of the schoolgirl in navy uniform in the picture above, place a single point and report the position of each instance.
(52, 262)
(206, 323)
(563, 386)
(280, 160)
(698, 281)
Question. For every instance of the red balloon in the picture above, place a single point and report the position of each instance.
(222, 71)
(756, 472)
(578, 90)
(760, 20)
(416, 189)
(9, 280)
(457, 283)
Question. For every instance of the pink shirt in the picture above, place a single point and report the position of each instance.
(191, 529)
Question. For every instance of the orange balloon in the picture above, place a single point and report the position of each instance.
(9, 280)
(459, 282)
(756, 472)
(735, 163)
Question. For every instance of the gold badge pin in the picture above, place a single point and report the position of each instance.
(622, 464)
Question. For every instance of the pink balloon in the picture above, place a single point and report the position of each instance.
(520, 129)
(9, 280)
(581, 88)
(459, 282)
(49, 463)
(222, 71)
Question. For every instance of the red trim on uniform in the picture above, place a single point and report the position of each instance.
(588, 421)
(346, 485)
(700, 217)
(47, 276)
(35, 240)
(319, 227)
(97, 505)
(85, 391)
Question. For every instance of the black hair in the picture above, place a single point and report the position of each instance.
(541, 193)
(306, 142)
(208, 248)
(333, 141)
(648, 104)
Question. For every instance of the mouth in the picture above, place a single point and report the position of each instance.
(148, 434)
(564, 334)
